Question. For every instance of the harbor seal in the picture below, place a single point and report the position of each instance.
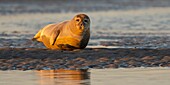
(67, 35)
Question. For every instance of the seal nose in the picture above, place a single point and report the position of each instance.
(81, 24)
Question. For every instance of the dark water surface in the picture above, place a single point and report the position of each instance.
(51, 6)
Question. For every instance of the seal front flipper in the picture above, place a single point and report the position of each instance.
(53, 37)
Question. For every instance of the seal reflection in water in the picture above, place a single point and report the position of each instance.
(67, 35)
(63, 77)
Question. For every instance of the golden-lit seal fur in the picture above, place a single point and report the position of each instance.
(67, 35)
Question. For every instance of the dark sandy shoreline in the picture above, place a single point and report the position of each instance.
(43, 59)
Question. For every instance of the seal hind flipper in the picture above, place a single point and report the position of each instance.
(37, 36)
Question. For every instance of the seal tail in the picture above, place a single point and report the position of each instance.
(37, 36)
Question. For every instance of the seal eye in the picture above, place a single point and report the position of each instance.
(77, 20)
(86, 21)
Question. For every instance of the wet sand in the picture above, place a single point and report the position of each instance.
(98, 58)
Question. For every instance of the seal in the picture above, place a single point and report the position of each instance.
(67, 35)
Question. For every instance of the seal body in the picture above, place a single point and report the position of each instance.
(67, 35)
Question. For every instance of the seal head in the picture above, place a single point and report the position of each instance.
(81, 24)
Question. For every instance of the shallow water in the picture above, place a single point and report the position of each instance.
(133, 76)
(44, 77)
